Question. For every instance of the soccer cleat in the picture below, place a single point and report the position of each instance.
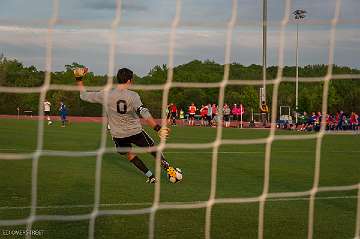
(174, 174)
(151, 180)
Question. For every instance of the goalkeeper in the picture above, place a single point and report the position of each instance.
(123, 109)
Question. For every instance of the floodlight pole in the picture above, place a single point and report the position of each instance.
(298, 15)
(297, 74)
(264, 53)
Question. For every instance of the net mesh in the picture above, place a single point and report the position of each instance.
(156, 205)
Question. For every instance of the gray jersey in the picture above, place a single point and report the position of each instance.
(226, 111)
(122, 109)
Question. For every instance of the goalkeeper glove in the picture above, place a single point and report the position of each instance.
(80, 73)
(163, 131)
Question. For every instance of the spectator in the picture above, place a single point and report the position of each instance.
(173, 111)
(317, 121)
(337, 117)
(203, 114)
(309, 122)
(312, 121)
(340, 120)
(302, 121)
(353, 121)
(234, 113)
(192, 112)
(330, 121)
(214, 113)
(346, 122)
(182, 116)
(209, 114)
(226, 113)
(264, 110)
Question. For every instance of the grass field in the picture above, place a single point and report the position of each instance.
(66, 185)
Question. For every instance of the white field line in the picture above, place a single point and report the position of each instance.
(220, 152)
(165, 203)
(261, 152)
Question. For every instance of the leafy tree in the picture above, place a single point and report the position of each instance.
(342, 94)
(72, 66)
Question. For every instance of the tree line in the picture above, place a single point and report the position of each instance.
(343, 94)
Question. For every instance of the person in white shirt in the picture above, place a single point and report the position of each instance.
(47, 106)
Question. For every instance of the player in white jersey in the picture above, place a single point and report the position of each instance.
(123, 108)
(47, 106)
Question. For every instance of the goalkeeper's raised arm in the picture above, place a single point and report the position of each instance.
(123, 108)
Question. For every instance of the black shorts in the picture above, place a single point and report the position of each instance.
(141, 139)
(47, 113)
(226, 117)
(173, 115)
(191, 116)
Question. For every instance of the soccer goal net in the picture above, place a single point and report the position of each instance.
(238, 183)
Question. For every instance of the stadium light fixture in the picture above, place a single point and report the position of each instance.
(299, 14)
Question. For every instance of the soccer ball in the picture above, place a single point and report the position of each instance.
(50, 123)
(174, 174)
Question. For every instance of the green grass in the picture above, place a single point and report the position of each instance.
(67, 180)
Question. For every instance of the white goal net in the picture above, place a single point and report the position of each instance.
(219, 141)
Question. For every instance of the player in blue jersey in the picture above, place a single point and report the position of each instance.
(63, 113)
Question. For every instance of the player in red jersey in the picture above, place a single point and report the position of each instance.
(203, 114)
(192, 111)
(173, 111)
(354, 121)
(214, 114)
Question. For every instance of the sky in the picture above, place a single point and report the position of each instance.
(83, 32)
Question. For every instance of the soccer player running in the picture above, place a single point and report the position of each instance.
(122, 109)
(47, 106)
